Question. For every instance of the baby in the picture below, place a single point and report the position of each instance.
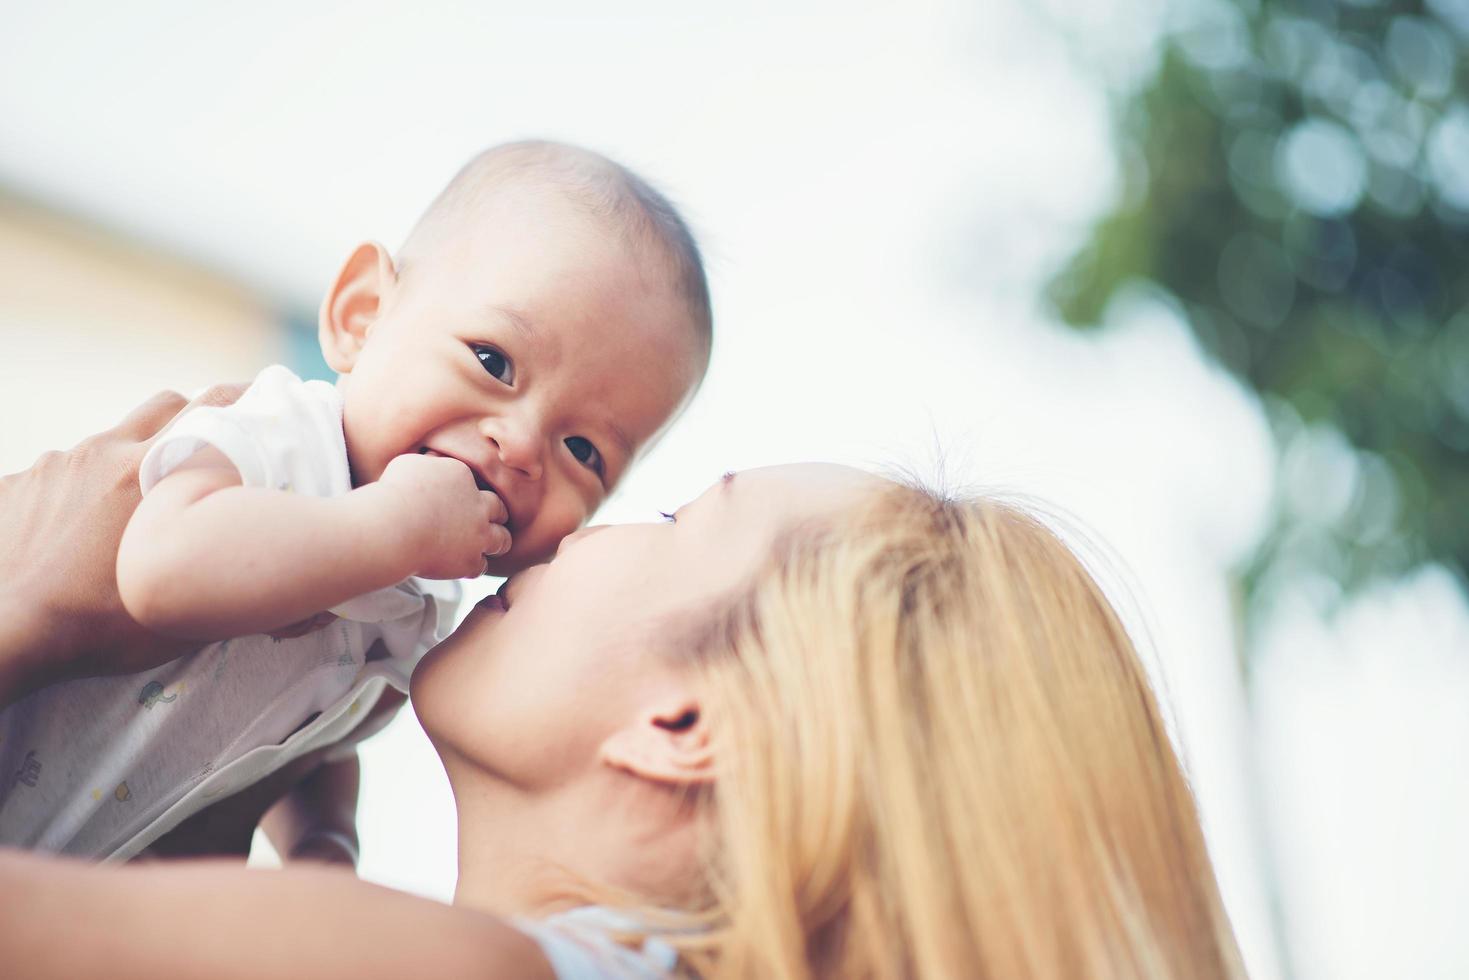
(546, 319)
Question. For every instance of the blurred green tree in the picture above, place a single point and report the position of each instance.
(1298, 175)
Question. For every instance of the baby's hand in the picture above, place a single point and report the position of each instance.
(450, 524)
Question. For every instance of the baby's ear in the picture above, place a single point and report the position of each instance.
(352, 304)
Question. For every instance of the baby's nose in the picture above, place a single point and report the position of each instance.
(517, 447)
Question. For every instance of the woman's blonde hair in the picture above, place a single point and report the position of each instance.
(940, 757)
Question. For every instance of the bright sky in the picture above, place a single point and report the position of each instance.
(878, 196)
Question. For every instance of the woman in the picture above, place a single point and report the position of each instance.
(817, 725)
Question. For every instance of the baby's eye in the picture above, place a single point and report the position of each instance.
(495, 362)
(586, 454)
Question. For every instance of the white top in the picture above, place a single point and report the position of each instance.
(582, 944)
(102, 767)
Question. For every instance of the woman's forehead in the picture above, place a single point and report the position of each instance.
(793, 489)
(739, 519)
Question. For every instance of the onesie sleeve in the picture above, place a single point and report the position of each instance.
(283, 433)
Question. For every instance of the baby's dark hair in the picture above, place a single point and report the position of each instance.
(604, 187)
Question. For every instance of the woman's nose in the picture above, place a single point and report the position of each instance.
(581, 535)
(516, 444)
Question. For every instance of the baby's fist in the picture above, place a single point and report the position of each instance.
(449, 524)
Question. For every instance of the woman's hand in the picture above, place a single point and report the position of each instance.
(60, 522)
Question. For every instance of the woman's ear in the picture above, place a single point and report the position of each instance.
(668, 745)
(352, 304)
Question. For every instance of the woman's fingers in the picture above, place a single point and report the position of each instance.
(149, 418)
(215, 396)
(152, 417)
(226, 393)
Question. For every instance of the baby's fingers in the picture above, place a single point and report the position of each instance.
(498, 512)
(496, 541)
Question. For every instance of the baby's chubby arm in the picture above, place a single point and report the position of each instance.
(204, 558)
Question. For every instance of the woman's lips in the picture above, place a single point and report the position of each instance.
(499, 599)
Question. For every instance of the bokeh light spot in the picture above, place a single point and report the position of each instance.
(1322, 166)
(1448, 157)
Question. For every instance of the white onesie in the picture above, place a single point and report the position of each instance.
(102, 767)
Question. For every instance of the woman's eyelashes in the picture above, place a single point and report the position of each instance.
(587, 455)
(670, 518)
(495, 363)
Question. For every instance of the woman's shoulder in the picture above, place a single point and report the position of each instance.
(597, 943)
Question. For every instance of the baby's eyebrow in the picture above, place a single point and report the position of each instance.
(620, 438)
(518, 320)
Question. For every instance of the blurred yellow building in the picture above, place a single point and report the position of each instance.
(92, 322)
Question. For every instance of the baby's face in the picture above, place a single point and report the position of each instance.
(537, 348)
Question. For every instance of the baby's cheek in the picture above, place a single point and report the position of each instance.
(559, 515)
(519, 558)
(555, 521)
(530, 546)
